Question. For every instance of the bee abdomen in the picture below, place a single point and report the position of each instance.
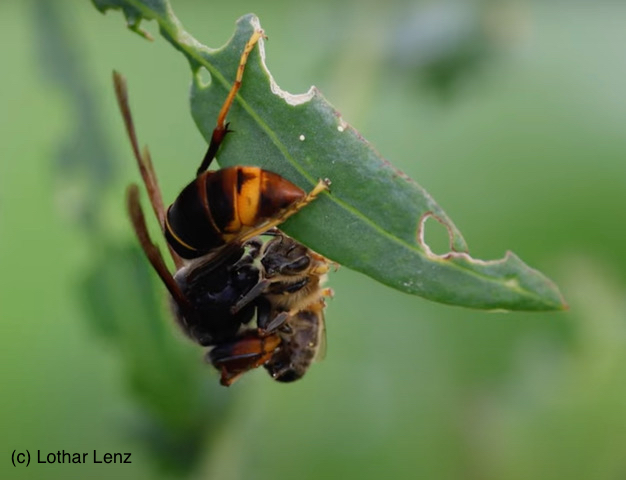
(189, 228)
(298, 348)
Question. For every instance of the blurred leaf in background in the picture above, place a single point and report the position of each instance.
(442, 44)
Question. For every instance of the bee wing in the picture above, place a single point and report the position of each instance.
(228, 253)
(213, 260)
(321, 339)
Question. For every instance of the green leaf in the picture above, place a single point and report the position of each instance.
(373, 219)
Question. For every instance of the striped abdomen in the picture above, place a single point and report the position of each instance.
(300, 345)
(220, 205)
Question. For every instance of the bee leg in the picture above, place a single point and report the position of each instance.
(252, 252)
(221, 129)
(152, 251)
(254, 292)
(287, 286)
(277, 322)
(255, 245)
(265, 324)
(296, 266)
(321, 186)
(144, 161)
(246, 353)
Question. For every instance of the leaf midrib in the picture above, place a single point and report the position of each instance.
(192, 53)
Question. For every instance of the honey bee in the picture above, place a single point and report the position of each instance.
(290, 317)
(302, 342)
(232, 263)
(286, 353)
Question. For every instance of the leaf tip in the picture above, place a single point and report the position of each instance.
(532, 282)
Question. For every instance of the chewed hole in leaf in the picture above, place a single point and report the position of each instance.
(134, 25)
(434, 235)
(203, 77)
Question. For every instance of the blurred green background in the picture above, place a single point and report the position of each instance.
(511, 114)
